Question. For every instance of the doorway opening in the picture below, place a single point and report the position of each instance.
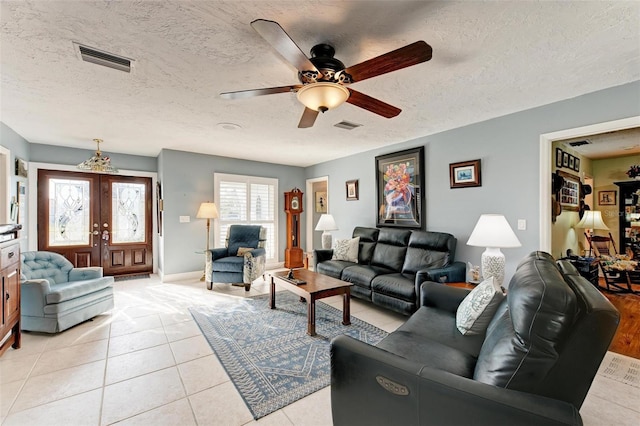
(317, 203)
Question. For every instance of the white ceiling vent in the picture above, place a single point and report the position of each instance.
(347, 125)
(100, 57)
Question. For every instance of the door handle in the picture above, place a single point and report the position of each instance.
(96, 232)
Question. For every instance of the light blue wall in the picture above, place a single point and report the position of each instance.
(71, 156)
(509, 149)
(187, 181)
(19, 147)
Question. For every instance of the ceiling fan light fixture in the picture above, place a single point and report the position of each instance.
(323, 96)
(98, 163)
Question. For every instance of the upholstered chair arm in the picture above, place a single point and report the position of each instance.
(88, 273)
(33, 295)
(441, 296)
(217, 253)
(389, 389)
(321, 255)
(254, 265)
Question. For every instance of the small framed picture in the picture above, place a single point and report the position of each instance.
(321, 202)
(607, 198)
(21, 167)
(559, 153)
(572, 160)
(565, 159)
(576, 164)
(352, 190)
(465, 174)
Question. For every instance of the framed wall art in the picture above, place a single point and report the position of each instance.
(465, 174)
(321, 201)
(21, 167)
(352, 190)
(570, 192)
(399, 183)
(607, 198)
(559, 153)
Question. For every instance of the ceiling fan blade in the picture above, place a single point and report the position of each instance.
(404, 57)
(308, 118)
(278, 38)
(372, 104)
(243, 94)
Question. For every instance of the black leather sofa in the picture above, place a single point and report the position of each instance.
(392, 263)
(533, 366)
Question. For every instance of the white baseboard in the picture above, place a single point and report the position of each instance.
(195, 275)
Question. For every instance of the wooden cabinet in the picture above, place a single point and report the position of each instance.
(629, 211)
(10, 286)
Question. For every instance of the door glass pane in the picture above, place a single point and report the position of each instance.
(127, 213)
(69, 209)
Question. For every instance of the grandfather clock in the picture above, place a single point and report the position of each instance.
(293, 208)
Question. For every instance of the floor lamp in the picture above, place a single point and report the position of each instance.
(493, 232)
(591, 220)
(207, 211)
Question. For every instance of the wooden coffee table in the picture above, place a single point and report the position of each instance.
(318, 286)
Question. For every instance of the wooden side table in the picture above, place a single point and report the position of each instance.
(462, 285)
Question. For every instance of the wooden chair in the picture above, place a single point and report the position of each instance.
(604, 249)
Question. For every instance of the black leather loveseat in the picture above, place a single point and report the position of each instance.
(392, 263)
(534, 365)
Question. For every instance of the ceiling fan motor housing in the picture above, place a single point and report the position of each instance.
(331, 69)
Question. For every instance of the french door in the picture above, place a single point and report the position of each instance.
(97, 220)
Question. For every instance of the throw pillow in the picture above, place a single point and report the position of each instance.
(346, 250)
(243, 250)
(477, 309)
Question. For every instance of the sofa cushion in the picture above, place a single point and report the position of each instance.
(391, 248)
(398, 285)
(368, 238)
(228, 264)
(478, 308)
(362, 275)
(61, 292)
(417, 259)
(333, 268)
(346, 249)
(524, 343)
(44, 264)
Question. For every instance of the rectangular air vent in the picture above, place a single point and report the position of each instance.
(347, 125)
(100, 57)
(579, 143)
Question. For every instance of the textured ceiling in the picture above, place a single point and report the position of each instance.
(489, 59)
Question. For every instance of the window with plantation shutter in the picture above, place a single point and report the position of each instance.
(247, 200)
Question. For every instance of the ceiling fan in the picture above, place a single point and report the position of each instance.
(323, 78)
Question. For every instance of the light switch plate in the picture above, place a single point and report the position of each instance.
(522, 224)
(185, 219)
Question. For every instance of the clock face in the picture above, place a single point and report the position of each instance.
(295, 203)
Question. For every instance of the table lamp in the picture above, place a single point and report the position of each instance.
(493, 232)
(591, 220)
(326, 224)
(207, 211)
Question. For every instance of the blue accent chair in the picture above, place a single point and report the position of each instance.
(56, 296)
(241, 261)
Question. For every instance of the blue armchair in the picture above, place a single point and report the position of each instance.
(241, 261)
(56, 296)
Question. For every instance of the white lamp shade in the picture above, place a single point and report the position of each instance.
(592, 219)
(326, 223)
(207, 211)
(493, 230)
(323, 96)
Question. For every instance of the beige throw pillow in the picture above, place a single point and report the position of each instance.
(477, 309)
(346, 250)
(243, 250)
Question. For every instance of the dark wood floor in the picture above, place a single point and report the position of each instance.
(627, 338)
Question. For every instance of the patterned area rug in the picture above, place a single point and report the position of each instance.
(621, 369)
(267, 353)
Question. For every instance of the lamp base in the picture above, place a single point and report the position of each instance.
(326, 240)
(493, 263)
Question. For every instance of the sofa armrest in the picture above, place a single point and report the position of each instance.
(321, 255)
(88, 273)
(441, 296)
(33, 295)
(389, 389)
(455, 272)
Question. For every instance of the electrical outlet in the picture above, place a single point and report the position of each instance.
(522, 224)
(185, 219)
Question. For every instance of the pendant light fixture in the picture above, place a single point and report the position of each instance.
(98, 163)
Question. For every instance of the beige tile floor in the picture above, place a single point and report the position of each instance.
(146, 363)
